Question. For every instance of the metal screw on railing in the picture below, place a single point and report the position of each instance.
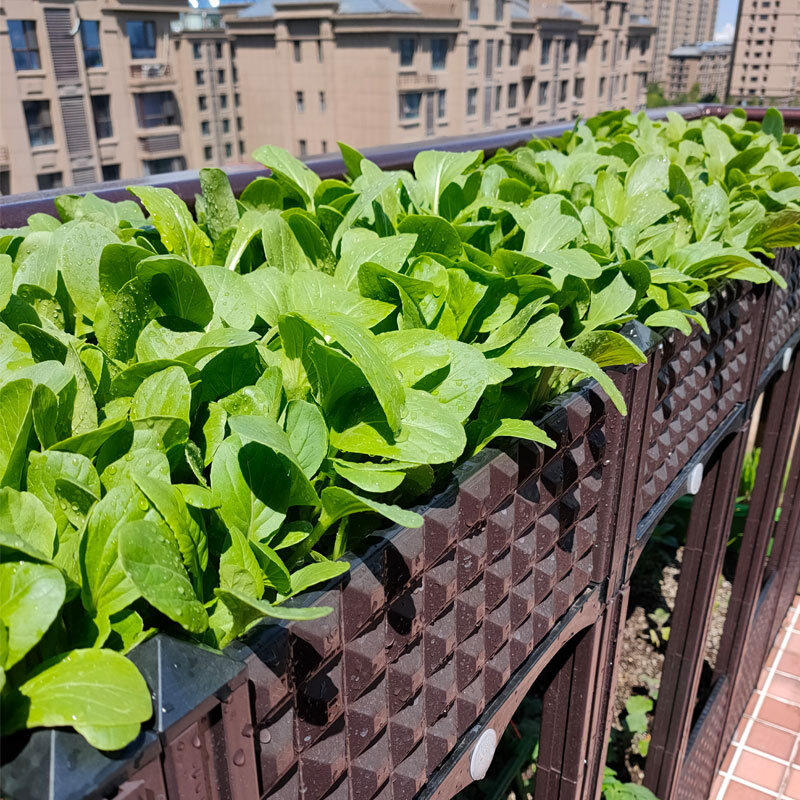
(482, 754)
(787, 358)
(695, 479)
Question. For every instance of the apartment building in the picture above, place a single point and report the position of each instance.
(115, 89)
(373, 72)
(705, 65)
(766, 58)
(678, 23)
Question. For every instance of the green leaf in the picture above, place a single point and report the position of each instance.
(307, 433)
(164, 394)
(321, 572)
(772, 124)
(338, 503)
(31, 596)
(434, 235)
(608, 349)
(79, 263)
(287, 167)
(230, 295)
(25, 514)
(518, 428)
(238, 566)
(177, 288)
(281, 248)
(152, 561)
(179, 232)
(710, 212)
(220, 204)
(360, 246)
(98, 692)
(370, 476)
(435, 170)
(16, 422)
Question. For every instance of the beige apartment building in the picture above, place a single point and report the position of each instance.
(705, 65)
(766, 59)
(115, 89)
(678, 23)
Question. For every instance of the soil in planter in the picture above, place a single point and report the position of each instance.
(654, 587)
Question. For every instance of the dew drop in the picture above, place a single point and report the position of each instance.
(196, 742)
(264, 736)
(238, 758)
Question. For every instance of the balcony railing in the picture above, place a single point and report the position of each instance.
(417, 80)
(15, 209)
(197, 21)
(152, 71)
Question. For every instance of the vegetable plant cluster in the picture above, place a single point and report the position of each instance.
(200, 414)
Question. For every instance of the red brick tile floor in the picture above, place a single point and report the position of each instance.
(763, 761)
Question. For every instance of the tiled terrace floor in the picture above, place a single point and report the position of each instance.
(763, 761)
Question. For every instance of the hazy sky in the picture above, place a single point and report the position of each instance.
(726, 14)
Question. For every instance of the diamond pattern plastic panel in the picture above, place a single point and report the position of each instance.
(698, 381)
(430, 625)
(784, 313)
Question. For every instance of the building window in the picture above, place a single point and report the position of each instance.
(441, 104)
(512, 95)
(197, 50)
(473, 9)
(205, 128)
(543, 86)
(239, 124)
(202, 102)
(438, 53)
(472, 54)
(237, 101)
(300, 102)
(24, 46)
(223, 101)
(101, 112)
(516, 47)
(583, 49)
(154, 109)
(527, 83)
(218, 49)
(500, 44)
(322, 103)
(199, 77)
(110, 172)
(607, 14)
(498, 10)
(489, 60)
(226, 125)
(142, 38)
(297, 53)
(624, 83)
(228, 149)
(579, 88)
(601, 88)
(324, 146)
(241, 147)
(472, 102)
(90, 40)
(49, 180)
(208, 153)
(40, 125)
(563, 91)
(319, 51)
(409, 105)
(565, 51)
(604, 51)
(546, 43)
(301, 145)
(498, 96)
(5, 182)
(407, 47)
(160, 166)
(220, 76)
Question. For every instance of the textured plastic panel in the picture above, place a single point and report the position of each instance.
(784, 311)
(698, 381)
(431, 624)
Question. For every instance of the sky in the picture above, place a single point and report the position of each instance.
(726, 20)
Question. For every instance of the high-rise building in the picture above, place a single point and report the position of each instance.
(106, 89)
(766, 56)
(678, 23)
(705, 65)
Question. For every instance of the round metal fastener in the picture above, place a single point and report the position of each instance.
(787, 358)
(695, 479)
(482, 754)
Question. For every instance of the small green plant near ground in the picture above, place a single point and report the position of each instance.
(659, 635)
(615, 789)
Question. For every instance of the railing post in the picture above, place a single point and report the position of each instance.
(702, 562)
